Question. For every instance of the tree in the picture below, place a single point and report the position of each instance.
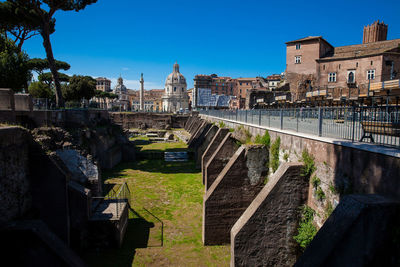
(14, 70)
(40, 90)
(20, 29)
(39, 13)
(47, 78)
(104, 95)
(79, 87)
(39, 65)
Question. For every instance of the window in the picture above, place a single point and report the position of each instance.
(174, 89)
(351, 76)
(182, 89)
(298, 46)
(297, 59)
(371, 75)
(240, 83)
(356, 64)
(339, 66)
(323, 67)
(372, 63)
(332, 77)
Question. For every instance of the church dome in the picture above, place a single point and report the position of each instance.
(120, 87)
(175, 78)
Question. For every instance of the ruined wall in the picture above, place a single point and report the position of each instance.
(15, 197)
(148, 120)
(263, 235)
(232, 192)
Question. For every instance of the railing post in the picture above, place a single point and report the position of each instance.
(259, 118)
(281, 115)
(245, 115)
(320, 111)
(297, 120)
(236, 113)
(354, 123)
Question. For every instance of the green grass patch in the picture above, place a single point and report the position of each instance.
(275, 154)
(173, 192)
(309, 165)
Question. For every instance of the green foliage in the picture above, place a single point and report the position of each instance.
(286, 157)
(221, 124)
(275, 154)
(306, 230)
(40, 90)
(39, 65)
(309, 165)
(320, 194)
(328, 210)
(263, 140)
(79, 87)
(47, 77)
(332, 188)
(102, 94)
(315, 181)
(14, 70)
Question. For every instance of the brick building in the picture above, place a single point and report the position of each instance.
(313, 64)
(103, 84)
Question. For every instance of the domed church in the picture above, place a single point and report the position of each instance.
(175, 96)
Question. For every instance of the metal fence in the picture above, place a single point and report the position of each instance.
(119, 195)
(378, 125)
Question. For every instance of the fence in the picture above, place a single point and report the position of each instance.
(119, 195)
(379, 125)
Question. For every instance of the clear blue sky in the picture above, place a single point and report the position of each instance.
(231, 38)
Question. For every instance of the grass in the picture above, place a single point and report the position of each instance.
(143, 144)
(173, 192)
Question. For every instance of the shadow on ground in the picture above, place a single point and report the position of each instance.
(156, 166)
(137, 236)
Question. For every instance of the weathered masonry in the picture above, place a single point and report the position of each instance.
(258, 213)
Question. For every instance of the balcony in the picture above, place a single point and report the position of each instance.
(316, 93)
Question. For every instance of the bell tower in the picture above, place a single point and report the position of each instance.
(375, 32)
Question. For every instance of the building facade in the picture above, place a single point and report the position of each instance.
(103, 84)
(175, 96)
(314, 64)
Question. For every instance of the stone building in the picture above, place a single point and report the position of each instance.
(103, 84)
(175, 96)
(312, 64)
(122, 92)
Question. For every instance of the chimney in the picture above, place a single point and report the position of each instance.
(375, 32)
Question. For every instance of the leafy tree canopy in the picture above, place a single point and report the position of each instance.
(79, 87)
(39, 65)
(39, 14)
(47, 78)
(40, 90)
(14, 70)
(103, 94)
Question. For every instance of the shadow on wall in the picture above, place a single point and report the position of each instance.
(137, 236)
(362, 172)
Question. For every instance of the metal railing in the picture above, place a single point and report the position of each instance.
(378, 125)
(119, 195)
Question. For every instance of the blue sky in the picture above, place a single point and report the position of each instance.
(234, 38)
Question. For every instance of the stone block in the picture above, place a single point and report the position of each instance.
(197, 132)
(222, 155)
(196, 124)
(363, 230)
(7, 99)
(232, 192)
(23, 102)
(263, 235)
(199, 137)
(208, 137)
(213, 145)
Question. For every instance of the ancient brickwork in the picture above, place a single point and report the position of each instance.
(362, 231)
(232, 192)
(208, 137)
(263, 236)
(219, 159)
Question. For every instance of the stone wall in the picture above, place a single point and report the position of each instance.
(263, 235)
(208, 137)
(148, 120)
(15, 196)
(366, 168)
(232, 192)
(362, 231)
(209, 152)
(23, 102)
(219, 159)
